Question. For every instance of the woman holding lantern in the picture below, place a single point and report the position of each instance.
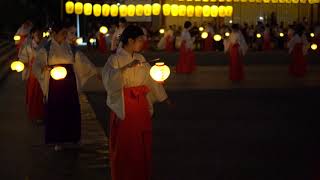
(34, 95)
(131, 94)
(61, 71)
(237, 47)
(186, 62)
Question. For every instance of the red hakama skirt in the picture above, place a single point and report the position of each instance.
(298, 67)
(186, 62)
(236, 65)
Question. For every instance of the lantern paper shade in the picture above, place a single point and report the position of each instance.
(103, 30)
(161, 31)
(204, 35)
(16, 38)
(159, 72)
(222, 12)
(156, 8)
(114, 10)
(198, 11)
(303, 1)
(190, 10)
(201, 28)
(147, 10)
(252, 1)
(288, 1)
(174, 10)
(17, 66)
(131, 10)
(139, 10)
(243, 1)
(78, 8)
(266, 1)
(166, 9)
(69, 7)
(214, 11)
(206, 10)
(274, 1)
(105, 10)
(58, 73)
(258, 1)
(314, 46)
(182, 10)
(217, 37)
(282, 1)
(123, 10)
(228, 11)
(295, 1)
(87, 9)
(97, 10)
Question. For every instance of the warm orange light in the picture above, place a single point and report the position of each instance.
(58, 73)
(159, 72)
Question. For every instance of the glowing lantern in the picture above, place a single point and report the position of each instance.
(204, 35)
(252, 1)
(161, 31)
(228, 0)
(205, 0)
(182, 10)
(44, 34)
(303, 1)
(288, 1)
(222, 12)
(228, 11)
(266, 1)
(58, 73)
(314, 46)
(258, 35)
(227, 34)
(236, 0)
(217, 37)
(156, 8)
(147, 10)
(311, 34)
(174, 10)
(103, 30)
(105, 10)
(221, 0)
(97, 10)
(79, 41)
(87, 9)
(159, 72)
(198, 11)
(69, 7)
(92, 40)
(78, 8)
(123, 10)
(310, 1)
(281, 34)
(214, 11)
(201, 28)
(17, 66)
(258, 1)
(206, 10)
(274, 1)
(243, 1)
(131, 10)
(213, 0)
(295, 1)
(16, 38)
(139, 10)
(190, 10)
(166, 9)
(114, 10)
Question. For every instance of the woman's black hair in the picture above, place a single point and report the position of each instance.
(130, 32)
(299, 29)
(57, 26)
(122, 20)
(235, 27)
(187, 24)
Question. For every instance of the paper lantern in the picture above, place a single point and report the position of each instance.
(97, 10)
(258, 1)
(266, 1)
(281, 34)
(123, 10)
(78, 8)
(236, 0)
(213, 0)
(69, 7)
(206, 10)
(198, 11)
(166, 9)
(217, 37)
(79, 40)
(214, 11)
(105, 10)
(274, 1)
(204, 35)
(303, 1)
(147, 10)
(311, 34)
(252, 1)
(228, 0)
(310, 1)
(190, 10)
(243, 1)
(197, 0)
(159, 72)
(288, 1)
(139, 10)
(114, 10)
(131, 10)
(295, 1)
(182, 10)
(228, 11)
(314, 46)
(161, 31)
(174, 10)
(103, 30)
(222, 12)
(17, 66)
(205, 0)
(227, 34)
(156, 8)
(87, 9)
(282, 1)
(16, 38)
(201, 28)
(58, 73)
(258, 35)
(221, 0)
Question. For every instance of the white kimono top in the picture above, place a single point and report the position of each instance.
(26, 53)
(236, 38)
(114, 80)
(62, 54)
(297, 39)
(185, 36)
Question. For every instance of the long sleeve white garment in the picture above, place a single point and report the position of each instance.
(185, 36)
(236, 38)
(297, 39)
(26, 54)
(115, 80)
(62, 54)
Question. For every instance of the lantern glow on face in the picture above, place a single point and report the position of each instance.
(217, 37)
(204, 35)
(58, 73)
(17, 66)
(314, 46)
(159, 72)
(103, 30)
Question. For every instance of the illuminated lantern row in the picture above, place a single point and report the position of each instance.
(148, 10)
(259, 1)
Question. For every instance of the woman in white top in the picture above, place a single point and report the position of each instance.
(131, 94)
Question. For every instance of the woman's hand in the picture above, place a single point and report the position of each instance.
(134, 63)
